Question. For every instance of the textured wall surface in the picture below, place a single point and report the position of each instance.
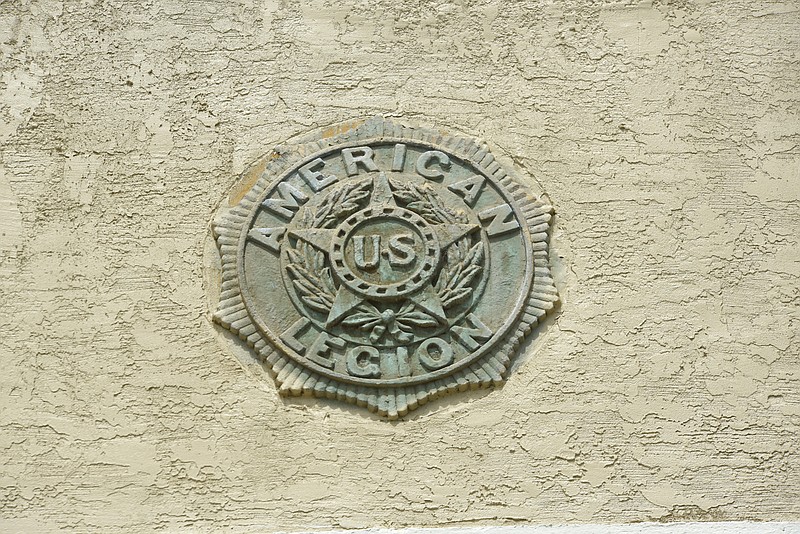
(666, 386)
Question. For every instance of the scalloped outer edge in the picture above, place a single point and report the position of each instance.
(293, 379)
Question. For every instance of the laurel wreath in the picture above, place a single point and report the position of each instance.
(422, 200)
(463, 264)
(310, 276)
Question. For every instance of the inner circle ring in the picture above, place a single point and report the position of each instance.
(413, 283)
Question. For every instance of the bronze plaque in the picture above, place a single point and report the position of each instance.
(384, 266)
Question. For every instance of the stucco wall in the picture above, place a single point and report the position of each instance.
(665, 387)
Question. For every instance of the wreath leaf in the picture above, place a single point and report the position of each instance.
(314, 284)
(340, 203)
(463, 264)
(422, 200)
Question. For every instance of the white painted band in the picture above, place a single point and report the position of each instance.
(728, 527)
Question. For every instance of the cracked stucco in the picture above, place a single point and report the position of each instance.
(666, 387)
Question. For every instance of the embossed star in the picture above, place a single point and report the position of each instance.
(446, 229)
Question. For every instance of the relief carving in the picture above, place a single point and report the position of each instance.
(385, 267)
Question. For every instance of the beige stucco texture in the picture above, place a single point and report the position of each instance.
(664, 387)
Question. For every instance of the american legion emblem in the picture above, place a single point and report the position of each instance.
(384, 266)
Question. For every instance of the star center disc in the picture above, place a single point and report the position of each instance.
(384, 253)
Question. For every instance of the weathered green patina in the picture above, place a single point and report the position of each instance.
(385, 266)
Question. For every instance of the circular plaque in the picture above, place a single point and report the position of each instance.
(385, 266)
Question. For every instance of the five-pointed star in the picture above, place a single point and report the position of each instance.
(346, 299)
